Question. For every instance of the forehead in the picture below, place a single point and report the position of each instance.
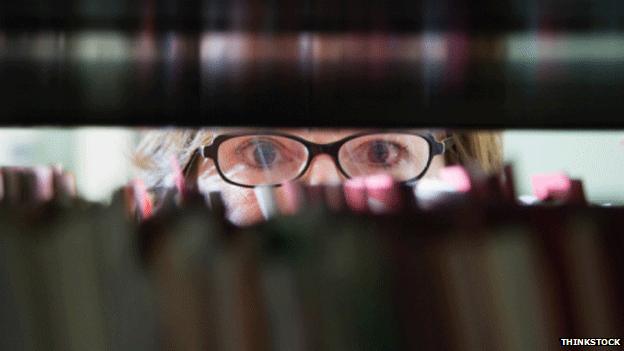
(316, 135)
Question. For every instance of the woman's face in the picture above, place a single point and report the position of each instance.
(242, 157)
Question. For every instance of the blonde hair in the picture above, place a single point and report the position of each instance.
(485, 149)
(154, 154)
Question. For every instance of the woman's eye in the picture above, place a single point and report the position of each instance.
(378, 152)
(263, 154)
(381, 153)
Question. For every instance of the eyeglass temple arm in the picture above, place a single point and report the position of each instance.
(443, 145)
(448, 142)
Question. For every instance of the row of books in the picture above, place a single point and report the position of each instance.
(457, 264)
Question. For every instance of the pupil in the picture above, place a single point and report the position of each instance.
(264, 154)
(378, 152)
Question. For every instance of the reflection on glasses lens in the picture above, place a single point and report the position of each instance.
(403, 156)
(261, 159)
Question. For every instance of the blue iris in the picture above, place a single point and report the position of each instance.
(264, 154)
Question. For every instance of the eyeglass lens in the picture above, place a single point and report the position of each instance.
(269, 159)
(261, 159)
(403, 156)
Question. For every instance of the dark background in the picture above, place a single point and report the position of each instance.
(158, 63)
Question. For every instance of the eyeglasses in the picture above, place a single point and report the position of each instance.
(253, 159)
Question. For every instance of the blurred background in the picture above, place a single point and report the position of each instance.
(101, 158)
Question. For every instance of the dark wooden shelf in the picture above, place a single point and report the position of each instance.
(483, 64)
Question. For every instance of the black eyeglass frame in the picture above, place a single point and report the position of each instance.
(332, 149)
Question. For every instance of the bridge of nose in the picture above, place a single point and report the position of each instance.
(322, 170)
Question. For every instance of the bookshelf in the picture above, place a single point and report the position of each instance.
(313, 63)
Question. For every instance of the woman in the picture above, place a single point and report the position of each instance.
(234, 161)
